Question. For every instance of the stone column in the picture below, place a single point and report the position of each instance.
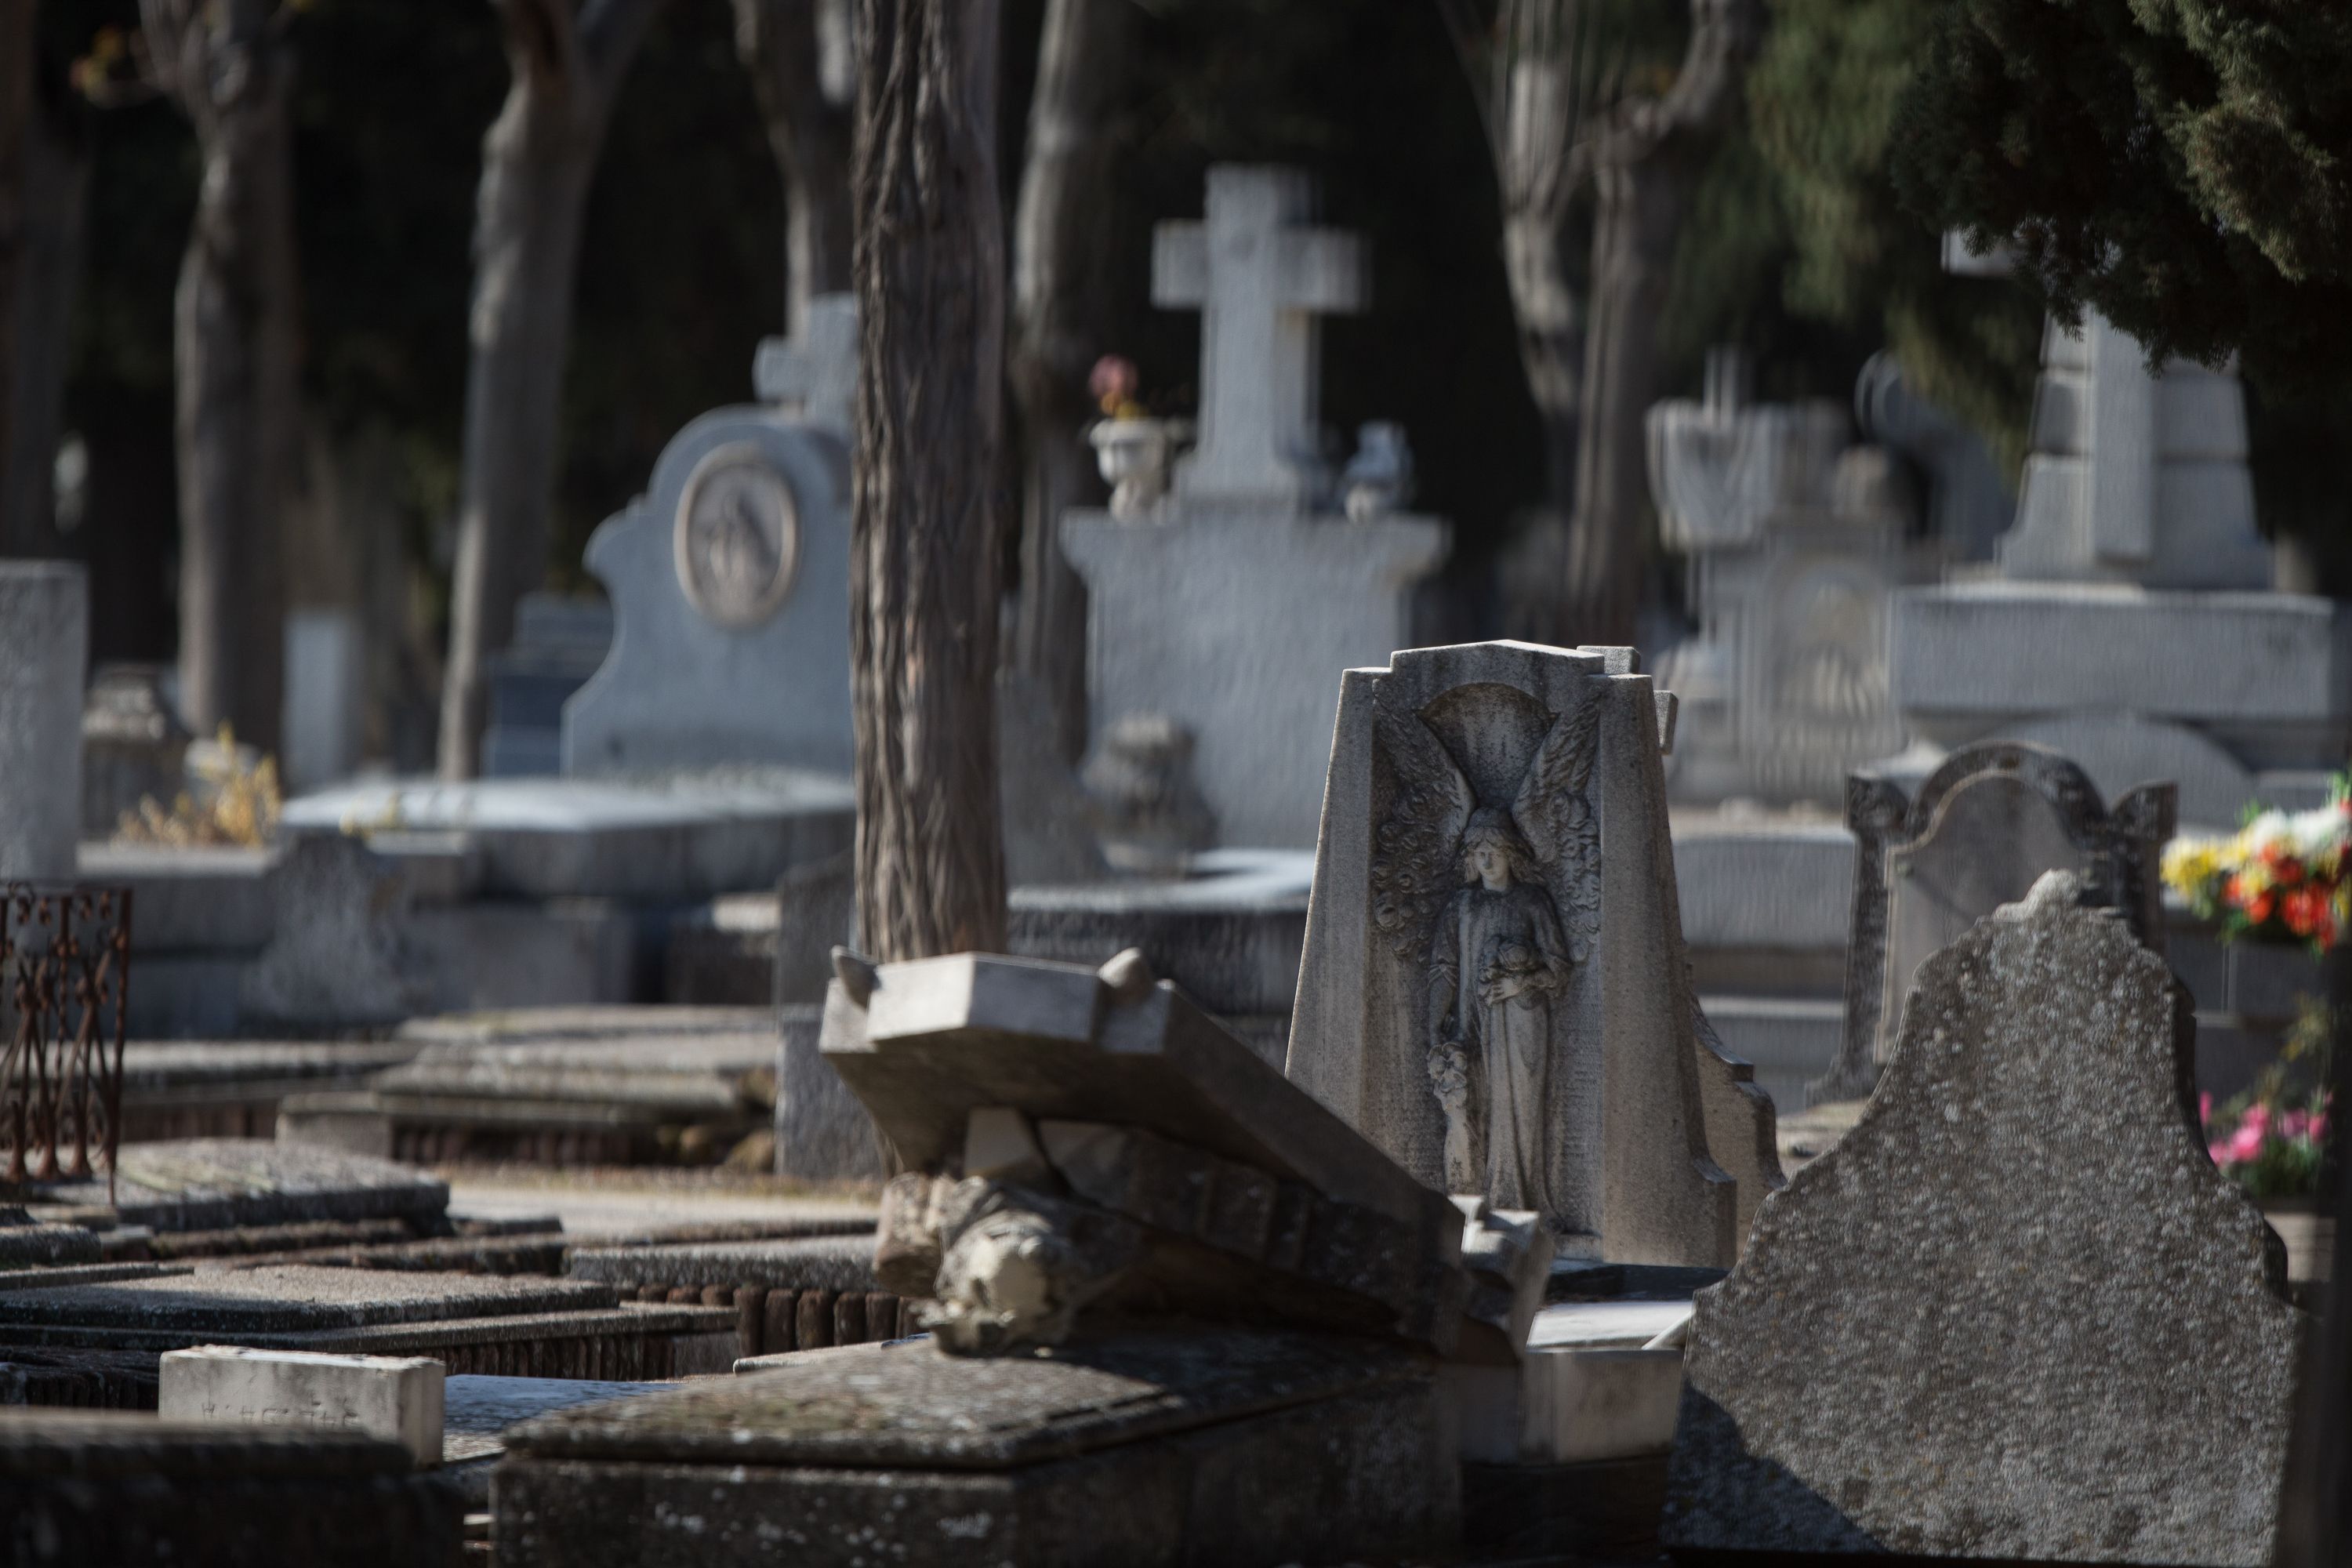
(44, 649)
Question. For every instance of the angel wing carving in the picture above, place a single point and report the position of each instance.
(1558, 821)
(1415, 855)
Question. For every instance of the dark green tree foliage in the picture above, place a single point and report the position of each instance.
(1823, 105)
(2178, 166)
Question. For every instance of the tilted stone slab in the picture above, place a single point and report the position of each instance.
(822, 1263)
(940, 1038)
(291, 1298)
(2016, 1312)
(220, 1184)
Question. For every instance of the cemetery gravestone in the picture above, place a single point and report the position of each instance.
(1228, 610)
(2017, 1312)
(730, 591)
(1796, 538)
(44, 648)
(1495, 990)
(1985, 826)
(1081, 1148)
(2127, 627)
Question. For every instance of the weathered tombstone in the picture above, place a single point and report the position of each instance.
(325, 684)
(1983, 828)
(1178, 1312)
(2127, 626)
(2017, 1312)
(134, 746)
(44, 648)
(731, 602)
(1495, 990)
(1229, 610)
(1795, 540)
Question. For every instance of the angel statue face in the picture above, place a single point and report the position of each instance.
(1493, 853)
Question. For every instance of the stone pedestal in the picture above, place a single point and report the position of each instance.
(2127, 628)
(1236, 625)
(44, 649)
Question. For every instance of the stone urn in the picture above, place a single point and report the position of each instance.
(1135, 457)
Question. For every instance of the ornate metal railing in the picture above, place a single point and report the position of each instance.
(65, 981)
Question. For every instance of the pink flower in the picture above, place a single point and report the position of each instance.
(2219, 1153)
(2246, 1143)
(2295, 1124)
(2205, 1110)
(2258, 1119)
(2319, 1127)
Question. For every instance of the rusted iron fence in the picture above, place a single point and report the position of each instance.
(65, 979)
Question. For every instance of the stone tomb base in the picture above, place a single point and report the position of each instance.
(116, 1489)
(1232, 1447)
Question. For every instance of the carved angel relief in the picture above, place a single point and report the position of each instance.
(1497, 908)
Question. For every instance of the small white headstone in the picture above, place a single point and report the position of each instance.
(44, 650)
(394, 1397)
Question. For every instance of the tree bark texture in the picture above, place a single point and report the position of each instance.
(782, 44)
(538, 161)
(16, 115)
(43, 197)
(923, 560)
(228, 66)
(1592, 371)
(1064, 305)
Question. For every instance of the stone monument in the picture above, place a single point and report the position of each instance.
(2127, 626)
(729, 585)
(1795, 540)
(1231, 607)
(1495, 989)
(1178, 1313)
(2017, 1312)
(1983, 828)
(44, 651)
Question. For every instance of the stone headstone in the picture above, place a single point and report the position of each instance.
(1796, 538)
(2134, 478)
(731, 602)
(394, 1397)
(134, 746)
(1229, 610)
(2129, 590)
(2007, 1316)
(1495, 990)
(326, 679)
(44, 650)
(1980, 831)
(815, 374)
(559, 640)
(1260, 278)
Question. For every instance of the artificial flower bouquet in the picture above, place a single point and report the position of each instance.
(2284, 877)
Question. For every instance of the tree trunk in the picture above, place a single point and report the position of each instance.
(1064, 308)
(16, 115)
(46, 266)
(234, 352)
(923, 559)
(1640, 214)
(782, 44)
(538, 161)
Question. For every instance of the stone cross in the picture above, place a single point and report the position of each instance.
(1259, 280)
(818, 369)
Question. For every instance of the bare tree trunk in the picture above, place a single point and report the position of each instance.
(17, 111)
(228, 66)
(1592, 372)
(1064, 305)
(783, 44)
(538, 161)
(37, 275)
(923, 558)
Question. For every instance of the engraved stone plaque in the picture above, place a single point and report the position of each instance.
(737, 537)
